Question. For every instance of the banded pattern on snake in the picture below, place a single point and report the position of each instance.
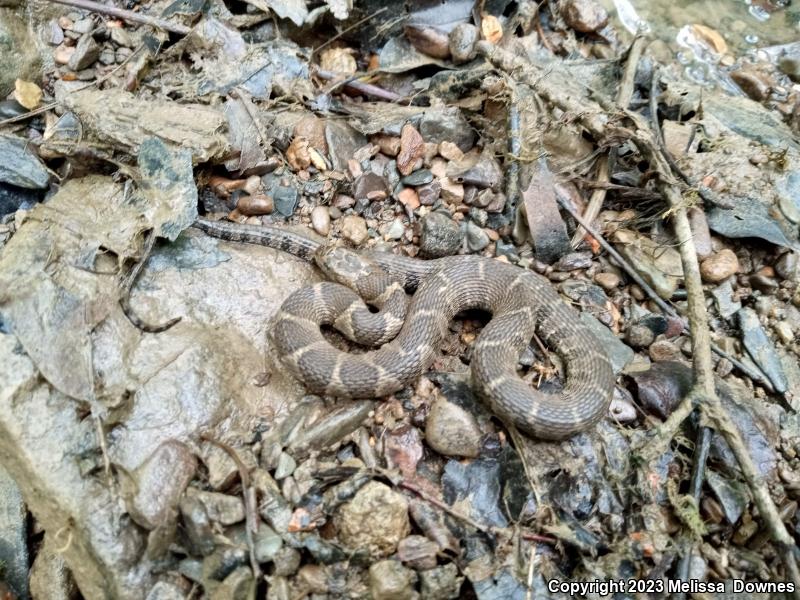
(408, 331)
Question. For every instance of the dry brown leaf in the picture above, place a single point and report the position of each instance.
(338, 60)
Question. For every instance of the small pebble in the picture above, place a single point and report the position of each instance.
(450, 151)
(719, 266)
(420, 177)
(663, 350)
(409, 198)
(321, 220)
(639, 336)
(786, 266)
(354, 229)
(477, 238)
(451, 430)
(462, 41)
(429, 194)
(784, 331)
(585, 16)
(439, 235)
(390, 580)
(607, 281)
(395, 230)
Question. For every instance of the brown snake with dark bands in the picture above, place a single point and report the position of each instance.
(521, 303)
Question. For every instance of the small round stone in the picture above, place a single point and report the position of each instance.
(640, 336)
(439, 235)
(321, 220)
(719, 266)
(607, 281)
(354, 229)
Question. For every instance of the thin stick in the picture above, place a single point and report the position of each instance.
(346, 29)
(126, 15)
(624, 94)
(360, 87)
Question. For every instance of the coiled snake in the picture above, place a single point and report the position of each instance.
(409, 331)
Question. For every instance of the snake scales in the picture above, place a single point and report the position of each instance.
(409, 332)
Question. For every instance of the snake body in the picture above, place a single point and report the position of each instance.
(409, 331)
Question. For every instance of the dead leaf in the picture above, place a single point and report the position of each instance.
(412, 148)
(297, 153)
(491, 29)
(711, 38)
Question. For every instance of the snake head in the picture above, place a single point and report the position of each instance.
(343, 265)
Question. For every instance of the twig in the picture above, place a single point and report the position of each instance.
(624, 94)
(358, 86)
(127, 285)
(126, 15)
(248, 495)
(349, 28)
(702, 448)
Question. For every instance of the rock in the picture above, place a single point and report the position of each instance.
(451, 191)
(441, 583)
(574, 261)
(619, 353)
(507, 249)
(222, 562)
(761, 349)
(639, 336)
(439, 235)
(786, 266)
(449, 151)
(239, 585)
(447, 125)
(723, 298)
(165, 590)
(389, 144)
(661, 388)
(321, 220)
(222, 508)
(421, 177)
(266, 543)
(222, 468)
(286, 561)
(18, 53)
(20, 166)
(13, 536)
(370, 186)
(462, 41)
(86, 53)
(585, 16)
(285, 200)
(451, 430)
(790, 66)
(286, 466)
(409, 198)
(719, 266)
(50, 578)
(197, 526)
(607, 281)
(412, 149)
(428, 194)
(477, 238)
(354, 229)
(160, 482)
(418, 552)
(659, 265)
(784, 331)
(396, 230)
(390, 580)
(313, 578)
(376, 519)
(121, 37)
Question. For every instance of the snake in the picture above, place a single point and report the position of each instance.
(402, 307)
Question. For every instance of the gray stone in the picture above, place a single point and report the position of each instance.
(639, 336)
(121, 37)
(13, 535)
(451, 430)
(619, 353)
(285, 199)
(221, 508)
(396, 229)
(439, 235)
(421, 177)
(441, 583)
(286, 466)
(239, 585)
(197, 526)
(266, 543)
(447, 125)
(761, 349)
(159, 484)
(723, 297)
(87, 51)
(83, 26)
(20, 166)
(165, 590)
(477, 238)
